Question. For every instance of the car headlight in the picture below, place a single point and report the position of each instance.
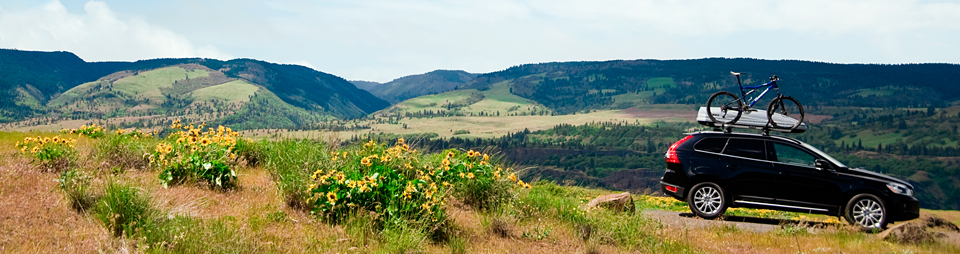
(900, 189)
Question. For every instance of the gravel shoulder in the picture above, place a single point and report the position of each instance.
(686, 220)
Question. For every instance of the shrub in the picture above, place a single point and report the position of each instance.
(76, 185)
(92, 131)
(123, 209)
(50, 153)
(399, 184)
(126, 149)
(195, 155)
(290, 163)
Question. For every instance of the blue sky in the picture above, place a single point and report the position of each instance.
(383, 40)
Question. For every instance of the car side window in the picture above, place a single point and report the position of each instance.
(792, 155)
(747, 148)
(711, 144)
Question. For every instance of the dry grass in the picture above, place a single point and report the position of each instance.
(485, 126)
(36, 218)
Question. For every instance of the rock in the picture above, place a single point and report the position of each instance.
(620, 202)
(936, 222)
(910, 232)
(922, 230)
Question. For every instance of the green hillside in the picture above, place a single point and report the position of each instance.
(30, 78)
(404, 88)
(50, 87)
(231, 92)
(569, 87)
(495, 100)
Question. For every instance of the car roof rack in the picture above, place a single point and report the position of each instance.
(752, 119)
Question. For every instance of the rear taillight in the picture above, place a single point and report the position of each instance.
(672, 152)
(671, 188)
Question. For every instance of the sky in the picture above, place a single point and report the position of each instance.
(379, 41)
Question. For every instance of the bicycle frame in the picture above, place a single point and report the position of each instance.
(744, 93)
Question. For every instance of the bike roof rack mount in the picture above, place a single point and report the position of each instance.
(751, 119)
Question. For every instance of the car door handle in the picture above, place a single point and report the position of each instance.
(732, 167)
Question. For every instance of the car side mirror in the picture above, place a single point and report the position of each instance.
(824, 165)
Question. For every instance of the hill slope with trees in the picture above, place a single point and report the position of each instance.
(575, 86)
(413, 86)
(32, 79)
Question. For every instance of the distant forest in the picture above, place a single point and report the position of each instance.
(576, 86)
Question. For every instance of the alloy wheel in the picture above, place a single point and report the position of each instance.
(868, 213)
(708, 200)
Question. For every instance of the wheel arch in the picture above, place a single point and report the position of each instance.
(702, 178)
(853, 193)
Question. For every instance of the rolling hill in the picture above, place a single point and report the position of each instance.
(63, 86)
(576, 86)
(412, 86)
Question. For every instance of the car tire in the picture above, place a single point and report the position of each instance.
(707, 200)
(867, 212)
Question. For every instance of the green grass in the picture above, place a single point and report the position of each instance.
(75, 93)
(231, 92)
(661, 83)
(871, 139)
(26, 99)
(496, 99)
(655, 86)
(147, 84)
(880, 92)
(124, 209)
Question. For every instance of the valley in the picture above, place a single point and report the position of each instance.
(566, 133)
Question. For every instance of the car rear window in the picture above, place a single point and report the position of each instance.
(711, 144)
(747, 148)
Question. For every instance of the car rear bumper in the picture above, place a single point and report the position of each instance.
(678, 194)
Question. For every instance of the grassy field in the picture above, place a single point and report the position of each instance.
(495, 99)
(654, 86)
(147, 84)
(231, 92)
(257, 218)
(490, 126)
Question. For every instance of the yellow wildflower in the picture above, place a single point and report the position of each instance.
(486, 157)
(366, 161)
(332, 197)
(469, 175)
(450, 155)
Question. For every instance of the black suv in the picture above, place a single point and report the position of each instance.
(713, 170)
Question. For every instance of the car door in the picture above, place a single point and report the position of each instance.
(749, 175)
(801, 183)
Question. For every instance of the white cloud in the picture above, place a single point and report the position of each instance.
(97, 35)
(381, 40)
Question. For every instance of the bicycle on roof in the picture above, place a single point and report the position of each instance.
(723, 103)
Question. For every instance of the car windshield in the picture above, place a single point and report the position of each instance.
(824, 155)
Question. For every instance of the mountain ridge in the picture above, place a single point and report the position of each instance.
(32, 78)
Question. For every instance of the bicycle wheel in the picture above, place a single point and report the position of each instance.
(723, 103)
(788, 107)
